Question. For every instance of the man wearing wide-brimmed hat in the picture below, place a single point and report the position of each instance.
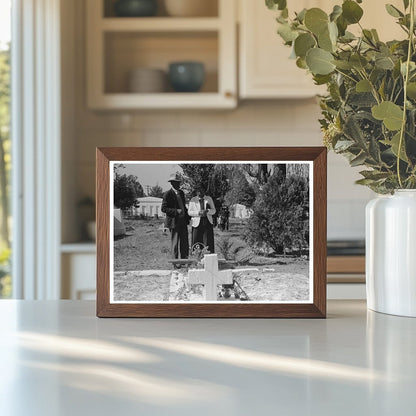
(177, 219)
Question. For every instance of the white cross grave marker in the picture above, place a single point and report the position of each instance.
(210, 277)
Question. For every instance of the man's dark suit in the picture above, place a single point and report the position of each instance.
(177, 223)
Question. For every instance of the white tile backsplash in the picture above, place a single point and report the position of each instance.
(170, 138)
(346, 219)
(257, 123)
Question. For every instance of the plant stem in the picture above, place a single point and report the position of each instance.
(405, 81)
(346, 75)
(373, 88)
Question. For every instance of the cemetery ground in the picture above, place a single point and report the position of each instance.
(142, 271)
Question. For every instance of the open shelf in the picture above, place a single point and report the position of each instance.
(168, 100)
(160, 24)
(87, 247)
(210, 6)
(127, 51)
(116, 46)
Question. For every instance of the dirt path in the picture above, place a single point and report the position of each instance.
(147, 247)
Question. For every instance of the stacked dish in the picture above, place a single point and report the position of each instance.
(147, 80)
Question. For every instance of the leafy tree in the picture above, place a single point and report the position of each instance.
(220, 183)
(260, 173)
(241, 191)
(299, 169)
(213, 177)
(194, 176)
(126, 189)
(280, 214)
(136, 186)
(156, 191)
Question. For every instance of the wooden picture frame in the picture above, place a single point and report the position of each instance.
(314, 157)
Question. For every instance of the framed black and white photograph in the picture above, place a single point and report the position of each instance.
(211, 232)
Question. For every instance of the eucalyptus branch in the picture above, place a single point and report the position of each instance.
(406, 80)
(404, 28)
(370, 63)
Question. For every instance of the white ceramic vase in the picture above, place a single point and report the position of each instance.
(391, 253)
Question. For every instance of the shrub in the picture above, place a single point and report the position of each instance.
(280, 215)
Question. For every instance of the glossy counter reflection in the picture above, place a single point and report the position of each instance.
(58, 359)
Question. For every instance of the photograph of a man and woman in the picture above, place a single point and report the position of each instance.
(210, 232)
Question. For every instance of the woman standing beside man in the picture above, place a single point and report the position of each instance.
(201, 209)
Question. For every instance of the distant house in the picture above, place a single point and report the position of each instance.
(240, 211)
(149, 206)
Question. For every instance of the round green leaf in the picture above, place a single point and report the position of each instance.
(316, 20)
(303, 43)
(393, 11)
(333, 32)
(391, 114)
(287, 33)
(358, 61)
(336, 12)
(325, 42)
(344, 65)
(384, 62)
(411, 90)
(301, 15)
(322, 79)
(301, 63)
(319, 61)
(342, 25)
(351, 11)
(327, 39)
(363, 86)
(276, 4)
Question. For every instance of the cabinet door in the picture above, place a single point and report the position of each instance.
(376, 17)
(78, 276)
(265, 68)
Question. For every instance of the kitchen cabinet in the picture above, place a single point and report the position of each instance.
(118, 45)
(265, 70)
(78, 262)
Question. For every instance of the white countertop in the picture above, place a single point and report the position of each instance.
(57, 358)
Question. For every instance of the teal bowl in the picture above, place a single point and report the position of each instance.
(135, 8)
(186, 76)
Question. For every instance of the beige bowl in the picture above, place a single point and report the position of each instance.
(191, 8)
(147, 80)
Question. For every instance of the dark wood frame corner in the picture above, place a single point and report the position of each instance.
(317, 309)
